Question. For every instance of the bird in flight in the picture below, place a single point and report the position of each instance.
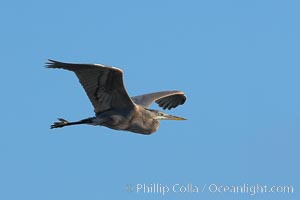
(112, 105)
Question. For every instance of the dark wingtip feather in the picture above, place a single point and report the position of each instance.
(50, 63)
(54, 64)
(183, 100)
(172, 101)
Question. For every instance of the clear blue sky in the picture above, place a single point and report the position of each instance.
(237, 61)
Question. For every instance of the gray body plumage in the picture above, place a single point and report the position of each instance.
(112, 106)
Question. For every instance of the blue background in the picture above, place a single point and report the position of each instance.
(237, 61)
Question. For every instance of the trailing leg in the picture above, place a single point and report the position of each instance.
(62, 122)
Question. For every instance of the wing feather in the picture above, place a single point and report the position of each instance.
(103, 85)
(165, 99)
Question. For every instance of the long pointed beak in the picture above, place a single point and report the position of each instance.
(175, 118)
(170, 117)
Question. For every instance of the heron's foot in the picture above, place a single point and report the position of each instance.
(62, 122)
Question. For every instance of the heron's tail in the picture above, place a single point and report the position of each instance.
(62, 122)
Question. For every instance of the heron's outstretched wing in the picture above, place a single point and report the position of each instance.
(102, 84)
(165, 99)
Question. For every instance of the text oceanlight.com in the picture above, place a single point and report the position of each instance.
(250, 189)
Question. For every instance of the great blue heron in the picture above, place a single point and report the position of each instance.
(112, 105)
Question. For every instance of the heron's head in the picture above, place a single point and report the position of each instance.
(161, 116)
